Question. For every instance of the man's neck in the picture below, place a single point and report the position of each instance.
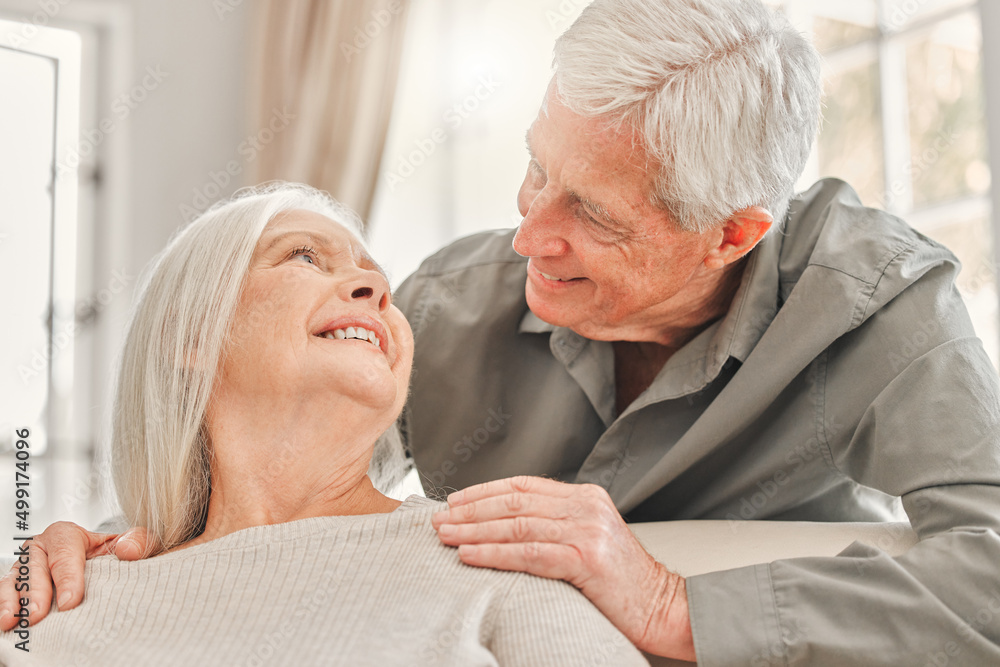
(638, 363)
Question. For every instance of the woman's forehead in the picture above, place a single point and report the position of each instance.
(317, 229)
(308, 221)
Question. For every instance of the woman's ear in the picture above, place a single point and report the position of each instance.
(740, 234)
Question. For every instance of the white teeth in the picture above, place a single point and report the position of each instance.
(547, 276)
(359, 333)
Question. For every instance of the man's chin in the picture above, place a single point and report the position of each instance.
(556, 314)
(581, 322)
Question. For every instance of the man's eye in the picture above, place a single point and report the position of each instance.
(592, 221)
(601, 231)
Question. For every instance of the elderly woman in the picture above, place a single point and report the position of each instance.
(263, 361)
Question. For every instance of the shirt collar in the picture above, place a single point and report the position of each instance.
(754, 305)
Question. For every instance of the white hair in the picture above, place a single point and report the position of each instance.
(725, 95)
(176, 340)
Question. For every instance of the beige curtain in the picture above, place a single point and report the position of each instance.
(323, 86)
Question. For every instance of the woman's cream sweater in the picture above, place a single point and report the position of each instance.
(358, 590)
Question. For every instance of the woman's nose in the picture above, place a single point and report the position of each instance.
(369, 287)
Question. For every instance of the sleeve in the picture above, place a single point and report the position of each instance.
(408, 296)
(930, 437)
(548, 622)
(405, 298)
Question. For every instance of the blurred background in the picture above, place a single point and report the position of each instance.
(414, 113)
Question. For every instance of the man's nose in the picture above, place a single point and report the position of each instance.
(541, 232)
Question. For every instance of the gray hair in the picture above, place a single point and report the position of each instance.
(724, 93)
(176, 340)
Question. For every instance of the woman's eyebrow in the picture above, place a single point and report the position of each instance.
(326, 242)
(316, 239)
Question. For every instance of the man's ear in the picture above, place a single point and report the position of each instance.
(740, 234)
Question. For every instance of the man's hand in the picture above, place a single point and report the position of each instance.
(55, 564)
(572, 532)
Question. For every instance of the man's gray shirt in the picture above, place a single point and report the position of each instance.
(845, 383)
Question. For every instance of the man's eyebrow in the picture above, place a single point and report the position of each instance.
(599, 209)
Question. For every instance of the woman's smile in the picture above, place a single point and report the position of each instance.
(356, 327)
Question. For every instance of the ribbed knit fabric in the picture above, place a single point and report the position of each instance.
(359, 590)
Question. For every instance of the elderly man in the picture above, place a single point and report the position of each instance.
(669, 330)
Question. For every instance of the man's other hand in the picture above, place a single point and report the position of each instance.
(572, 532)
(55, 562)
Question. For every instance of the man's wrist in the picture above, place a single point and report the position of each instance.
(668, 629)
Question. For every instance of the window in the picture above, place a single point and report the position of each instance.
(473, 76)
(39, 75)
(905, 124)
(60, 335)
(39, 123)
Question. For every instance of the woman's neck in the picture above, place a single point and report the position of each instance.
(268, 469)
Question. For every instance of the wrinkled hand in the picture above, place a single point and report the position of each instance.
(55, 561)
(572, 532)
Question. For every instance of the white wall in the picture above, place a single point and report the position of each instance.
(191, 123)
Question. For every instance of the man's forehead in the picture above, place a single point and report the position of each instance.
(551, 91)
(599, 164)
(595, 141)
(588, 134)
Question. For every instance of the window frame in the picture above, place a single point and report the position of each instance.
(887, 46)
(100, 230)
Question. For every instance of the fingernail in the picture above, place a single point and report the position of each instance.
(468, 550)
(4, 613)
(455, 497)
(32, 608)
(439, 517)
(125, 542)
(64, 599)
(447, 529)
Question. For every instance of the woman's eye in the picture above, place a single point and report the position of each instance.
(308, 254)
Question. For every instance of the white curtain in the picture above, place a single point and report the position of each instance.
(325, 79)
